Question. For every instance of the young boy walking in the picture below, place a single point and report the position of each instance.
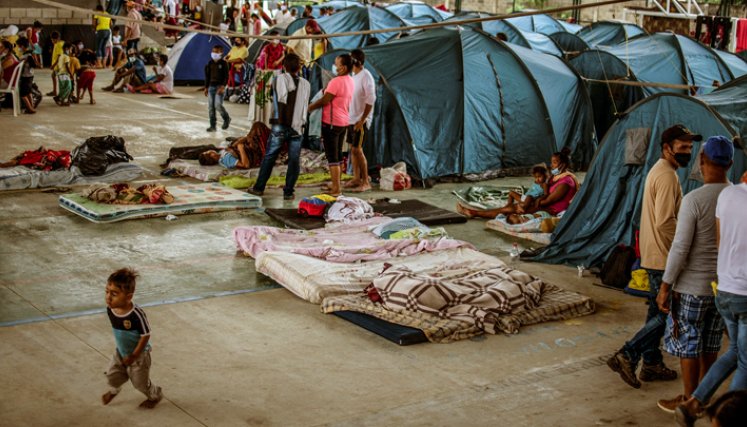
(64, 77)
(131, 359)
(216, 78)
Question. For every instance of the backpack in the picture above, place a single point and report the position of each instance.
(616, 270)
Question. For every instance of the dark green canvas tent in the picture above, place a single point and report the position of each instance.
(606, 211)
(570, 44)
(454, 101)
(609, 33)
(360, 19)
(417, 12)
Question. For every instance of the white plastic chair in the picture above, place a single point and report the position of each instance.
(13, 88)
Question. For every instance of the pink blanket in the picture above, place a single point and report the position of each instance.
(336, 245)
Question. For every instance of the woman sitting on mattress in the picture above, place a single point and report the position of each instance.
(563, 185)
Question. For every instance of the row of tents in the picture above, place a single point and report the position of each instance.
(455, 101)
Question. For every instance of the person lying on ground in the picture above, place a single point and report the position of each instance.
(163, 82)
(232, 157)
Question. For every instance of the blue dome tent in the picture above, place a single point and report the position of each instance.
(191, 53)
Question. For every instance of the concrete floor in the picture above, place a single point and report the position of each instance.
(232, 349)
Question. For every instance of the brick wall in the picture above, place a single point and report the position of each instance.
(24, 12)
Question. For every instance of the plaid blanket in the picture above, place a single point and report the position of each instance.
(461, 293)
(555, 304)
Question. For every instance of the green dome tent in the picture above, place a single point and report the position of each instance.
(417, 12)
(456, 101)
(609, 33)
(666, 58)
(360, 19)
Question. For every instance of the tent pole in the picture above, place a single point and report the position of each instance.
(457, 6)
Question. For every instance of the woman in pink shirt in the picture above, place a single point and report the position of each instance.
(563, 185)
(335, 106)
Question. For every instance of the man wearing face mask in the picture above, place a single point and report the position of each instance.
(133, 73)
(216, 78)
(662, 196)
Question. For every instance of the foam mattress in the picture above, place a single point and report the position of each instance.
(502, 227)
(188, 199)
(313, 279)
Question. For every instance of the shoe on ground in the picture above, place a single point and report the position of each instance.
(226, 124)
(658, 372)
(288, 197)
(255, 192)
(211, 129)
(683, 417)
(51, 93)
(669, 405)
(623, 366)
(106, 89)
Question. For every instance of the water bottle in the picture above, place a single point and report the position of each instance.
(514, 253)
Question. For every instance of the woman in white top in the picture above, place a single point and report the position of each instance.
(164, 82)
(361, 108)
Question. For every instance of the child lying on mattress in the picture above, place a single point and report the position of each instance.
(232, 157)
(243, 153)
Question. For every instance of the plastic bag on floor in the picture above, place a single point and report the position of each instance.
(395, 178)
(98, 152)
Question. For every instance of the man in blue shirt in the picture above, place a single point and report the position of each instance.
(132, 72)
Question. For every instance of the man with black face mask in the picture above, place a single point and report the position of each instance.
(662, 195)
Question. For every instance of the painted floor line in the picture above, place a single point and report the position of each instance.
(148, 104)
(149, 304)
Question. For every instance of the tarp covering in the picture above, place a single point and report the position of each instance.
(415, 11)
(609, 33)
(191, 53)
(606, 211)
(457, 102)
(359, 19)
